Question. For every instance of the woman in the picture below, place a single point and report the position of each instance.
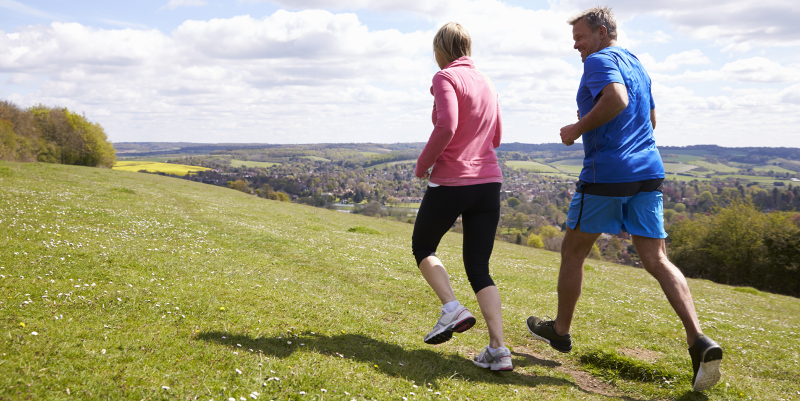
(465, 180)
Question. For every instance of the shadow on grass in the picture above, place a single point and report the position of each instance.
(692, 396)
(420, 365)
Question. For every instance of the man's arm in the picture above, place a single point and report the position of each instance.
(653, 117)
(613, 100)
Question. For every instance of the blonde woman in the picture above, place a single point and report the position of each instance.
(465, 180)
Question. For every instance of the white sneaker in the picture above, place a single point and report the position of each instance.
(459, 321)
(500, 360)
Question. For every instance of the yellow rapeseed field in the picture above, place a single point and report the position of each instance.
(156, 167)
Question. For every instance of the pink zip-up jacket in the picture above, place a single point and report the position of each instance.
(467, 128)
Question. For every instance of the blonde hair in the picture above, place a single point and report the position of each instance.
(452, 41)
(597, 17)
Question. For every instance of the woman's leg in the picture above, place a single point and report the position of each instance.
(480, 225)
(437, 213)
(436, 275)
(489, 300)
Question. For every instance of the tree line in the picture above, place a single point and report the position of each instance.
(740, 245)
(52, 135)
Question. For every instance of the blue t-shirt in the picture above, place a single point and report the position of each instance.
(623, 149)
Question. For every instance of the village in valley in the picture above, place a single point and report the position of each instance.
(539, 181)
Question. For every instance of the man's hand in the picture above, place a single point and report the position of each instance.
(569, 134)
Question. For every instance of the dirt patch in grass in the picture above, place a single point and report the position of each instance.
(641, 354)
(583, 380)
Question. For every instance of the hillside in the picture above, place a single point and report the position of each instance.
(139, 286)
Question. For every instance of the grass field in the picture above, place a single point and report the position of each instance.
(369, 153)
(672, 168)
(777, 169)
(315, 158)
(123, 286)
(532, 166)
(572, 166)
(247, 163)
(681, 158)
(156, 167)
(715, 166)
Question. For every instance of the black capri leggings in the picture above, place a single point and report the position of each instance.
(479, 206)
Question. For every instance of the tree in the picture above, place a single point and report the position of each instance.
(549, 232)
(535, 241)
(680, 207)
(519, 220)
(513, 202)
(372, 209)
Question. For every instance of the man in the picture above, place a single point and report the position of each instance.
(619, 187)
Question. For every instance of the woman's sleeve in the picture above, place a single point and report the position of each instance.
(498, 132)
(446, 122)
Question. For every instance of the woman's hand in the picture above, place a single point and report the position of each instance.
(425, 175)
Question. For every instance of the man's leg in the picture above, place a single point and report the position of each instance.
(574, 249)
(672, 282)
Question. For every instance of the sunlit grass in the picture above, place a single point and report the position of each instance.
(532, 166)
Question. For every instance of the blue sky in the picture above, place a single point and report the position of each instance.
(310, 71)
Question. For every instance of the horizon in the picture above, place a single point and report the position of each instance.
(358, 71)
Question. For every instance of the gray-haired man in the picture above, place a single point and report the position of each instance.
(619, 187)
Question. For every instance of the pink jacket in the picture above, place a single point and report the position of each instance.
(467, 127)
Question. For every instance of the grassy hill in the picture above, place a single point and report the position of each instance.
(121, 285)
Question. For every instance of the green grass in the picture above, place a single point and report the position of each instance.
(363, 230)
(141, 286)
(573, 166)
(714, 166)
(315, 158)
(672, 168)
(247, 163)
(532, 166)
(680, 158)
(369, 153)
(777, 169)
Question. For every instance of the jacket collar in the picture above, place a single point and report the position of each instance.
(465, 61)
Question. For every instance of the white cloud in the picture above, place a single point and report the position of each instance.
(427, 7)
(736, 25)
(318, 76)
(672, 62)
(173, 4)
(754, 69)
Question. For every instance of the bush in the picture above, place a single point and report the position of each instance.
(740, 245)
(535, 241)
(679, 207)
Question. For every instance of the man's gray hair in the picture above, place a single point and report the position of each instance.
(597, 17)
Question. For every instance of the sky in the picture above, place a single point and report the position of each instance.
(724, 72)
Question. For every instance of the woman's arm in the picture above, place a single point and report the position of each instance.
(446, 117)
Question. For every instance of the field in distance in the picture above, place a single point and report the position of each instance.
(118, 285)
(156, 167)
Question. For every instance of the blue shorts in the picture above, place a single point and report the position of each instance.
(641, 214)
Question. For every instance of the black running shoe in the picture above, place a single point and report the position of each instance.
(543, 330)
(706, 356)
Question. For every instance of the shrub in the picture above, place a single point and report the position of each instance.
(535, 241)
